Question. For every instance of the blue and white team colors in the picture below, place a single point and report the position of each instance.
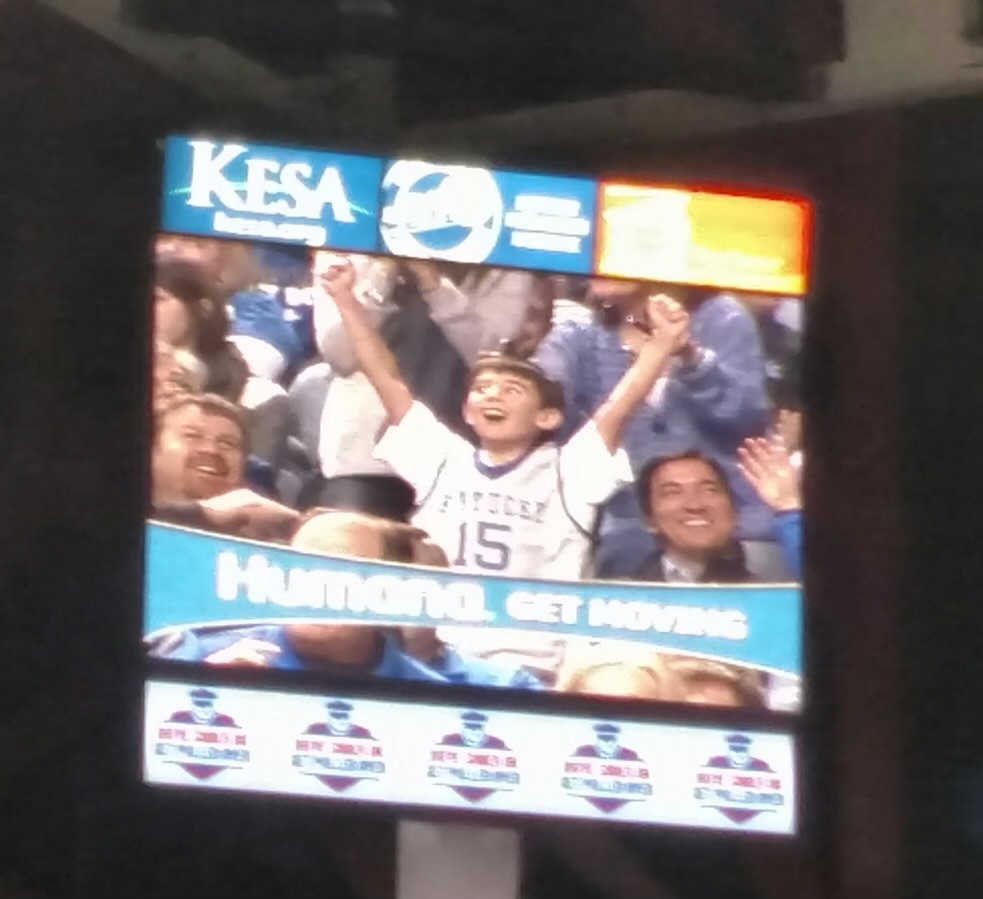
(449, 212)
(530, 518)
(256, 192)
(473, 215)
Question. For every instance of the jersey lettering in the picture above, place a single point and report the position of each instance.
(476, 502)
(489, 552)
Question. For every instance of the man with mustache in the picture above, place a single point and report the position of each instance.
(198, 463)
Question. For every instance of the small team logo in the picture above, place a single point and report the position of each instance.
(472, 762)
(337, 751)
(202, 740)
(448, 212)
(605, 773)
(737, 784)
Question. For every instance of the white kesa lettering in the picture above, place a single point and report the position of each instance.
(269, 188)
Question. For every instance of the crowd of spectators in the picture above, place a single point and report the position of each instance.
(290, 386)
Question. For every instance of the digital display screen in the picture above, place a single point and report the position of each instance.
(718, 239)
(470, 215)
(270, 193)
(453, 757)
(407, 428)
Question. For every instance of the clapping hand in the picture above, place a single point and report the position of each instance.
(338, 276)
(766, 466)
(425, 273)
(669, 323)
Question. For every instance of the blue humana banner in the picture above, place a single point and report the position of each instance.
(228, 582)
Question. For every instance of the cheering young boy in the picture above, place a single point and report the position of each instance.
(518, 504)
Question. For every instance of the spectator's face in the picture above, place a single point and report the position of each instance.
(759, 303)
(712, 691)
(505, 408)
(338, 535)
(207, 252)
(614, 293)
(691, 508)
(535, 326)
(623, 681)
(229, 264)
(199, 454)
(173, 324)
(173, 377)
(237, 268)
(344, 644)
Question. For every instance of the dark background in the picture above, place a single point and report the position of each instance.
(892, 748)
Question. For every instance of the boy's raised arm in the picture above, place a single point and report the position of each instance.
(670, 334)
(372, 356)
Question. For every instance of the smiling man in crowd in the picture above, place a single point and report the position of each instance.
(198, 464)
(688, 505)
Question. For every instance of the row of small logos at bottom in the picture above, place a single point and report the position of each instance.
(405, 753)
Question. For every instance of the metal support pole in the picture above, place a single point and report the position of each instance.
(450, 861)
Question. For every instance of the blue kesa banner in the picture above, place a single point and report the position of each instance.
(475, 215)
(222, 579)
(257, 192)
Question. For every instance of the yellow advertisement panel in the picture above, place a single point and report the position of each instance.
(706, 238)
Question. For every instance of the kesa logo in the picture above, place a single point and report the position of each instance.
(446, 212)
(472, 762)
(737, 784)
(337, 751)
(202, 740)
(253, 193)
(605, 773)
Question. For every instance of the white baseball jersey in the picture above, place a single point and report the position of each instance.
(528, 518)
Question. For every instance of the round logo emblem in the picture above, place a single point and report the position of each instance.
(444, 212)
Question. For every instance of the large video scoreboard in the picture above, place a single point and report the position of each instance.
(475, 489)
